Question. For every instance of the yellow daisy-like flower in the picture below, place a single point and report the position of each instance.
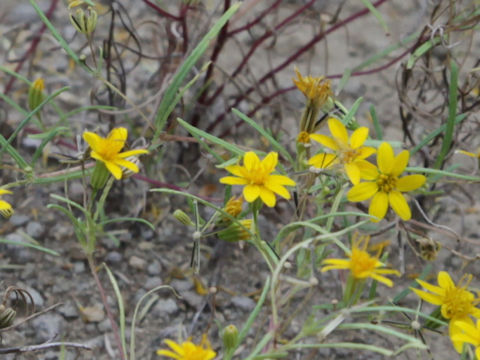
(5, 208)
(349, 152)
(316, 89)
(386, 186)
(258, 179)
(361, 264)
(469, 334)
(188, 350)
(107, 150)
(455, 301)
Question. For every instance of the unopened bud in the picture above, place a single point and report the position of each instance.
(35, 94)
(237, 231)
(84, 22)
(230, 337)
(233, 207)
(100, 176)
(181, 216)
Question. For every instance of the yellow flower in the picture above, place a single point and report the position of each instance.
(316, 89)
(107, 150)
(349, 152)
(258, 179)
(469, 334)
(385, 186)
(188, 350)
(456, 303)
(5, 208)
(361, 264)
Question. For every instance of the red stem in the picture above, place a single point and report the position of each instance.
(33, 46)
(256, 21)
(162, 12)
(255, 46)
(290, 59)
(221, 39)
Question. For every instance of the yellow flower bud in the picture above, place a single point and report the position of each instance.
(230, 337)
(35, 93)
(237, 231)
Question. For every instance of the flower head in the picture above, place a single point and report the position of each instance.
(455, 301)
(349, 152)
(188, 350)
(315, 89)
(385, 186)
(5, 208)
(107, 150)
(258, 179)
(361, 264)
(469, 333)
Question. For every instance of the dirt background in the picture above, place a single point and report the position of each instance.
(145, 258)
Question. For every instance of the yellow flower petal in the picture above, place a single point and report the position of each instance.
(325, 141)
(270, 162)
(399, 205)
(251, 161)
(362, 191)
(236, 170)
(385, 158)
(127, 164)
(5, 205)
(410, 182)
(353, 172)
(251, 192)
(338, 130)
(378, 206)
(114, 169)
(382, 279)
(468, 153)
(323, 160)
(116, 139)
(134, 152)
(368, 171)
(444, 280)
(400, 162)
(92, 139)
(281, 180)
(5, 191)
(365, 152)
(358, 137)
(277, 189)
(231, 180)
(432, 288)
(268, 197)
(431, 298)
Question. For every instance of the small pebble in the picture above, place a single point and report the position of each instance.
(35, 229)
(137, 263)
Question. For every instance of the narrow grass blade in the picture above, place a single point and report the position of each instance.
(213, 139)
(452, 112)
(168, 101)
(275, 144)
